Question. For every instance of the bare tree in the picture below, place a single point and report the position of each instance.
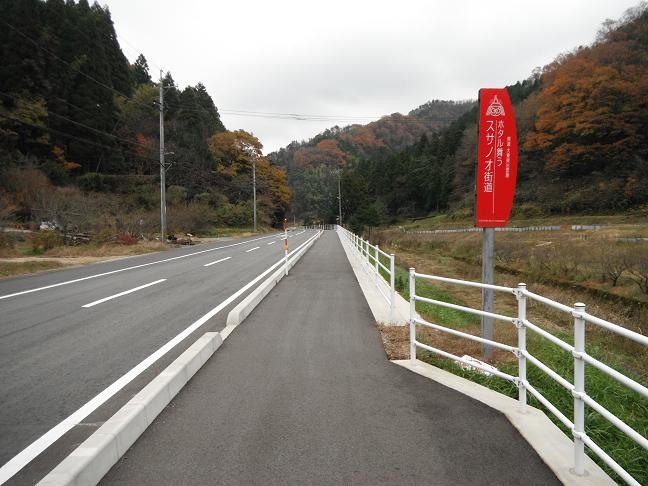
(614, 262)
(639, 268)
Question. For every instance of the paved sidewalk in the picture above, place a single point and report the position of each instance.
(301, 393)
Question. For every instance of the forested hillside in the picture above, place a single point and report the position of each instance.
(79, 132)
(311, 165)
(582, 127)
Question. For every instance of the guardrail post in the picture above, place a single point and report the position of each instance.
(522, 369)
(579, 389)
(392, 289)
(376, 254)
(412, 324)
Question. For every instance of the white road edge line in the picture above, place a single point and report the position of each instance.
(131, 268)
(92, 304)
(20, 460)
(217, 261)
(252, 249)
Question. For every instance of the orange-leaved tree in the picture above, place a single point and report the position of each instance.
(234, 153)
(594, 107)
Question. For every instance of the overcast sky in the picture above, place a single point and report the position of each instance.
(346, 58)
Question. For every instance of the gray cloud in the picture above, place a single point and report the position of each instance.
(349, 58)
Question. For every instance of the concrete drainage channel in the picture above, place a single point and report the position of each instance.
(89, 462)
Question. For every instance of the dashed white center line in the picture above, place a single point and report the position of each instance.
(217, 261)
(123, 293)
(30, 452)
(272, 242)
(252, 249)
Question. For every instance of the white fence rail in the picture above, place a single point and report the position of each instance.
(369, 255)
(320, 226)
(581, 358)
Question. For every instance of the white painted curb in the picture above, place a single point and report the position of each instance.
(247, 305)
(379, 307)
(549, 442)
(89, 462)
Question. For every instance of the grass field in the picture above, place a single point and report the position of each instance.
(458, 256)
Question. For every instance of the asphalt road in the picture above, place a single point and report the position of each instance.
(56, 354)
(302, 393)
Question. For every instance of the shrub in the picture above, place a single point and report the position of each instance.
(42, 241)
(6, 241)
(126, 239)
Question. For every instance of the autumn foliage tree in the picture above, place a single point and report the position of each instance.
(594, 104)
(234, 153)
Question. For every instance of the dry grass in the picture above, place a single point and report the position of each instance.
(12, 269)
(13, 262)
(457, 256)
(106, 249)
(629, 353)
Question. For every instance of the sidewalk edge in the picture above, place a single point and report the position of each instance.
(549, 442)
(89, 462)
(379, 308)
(247, 305)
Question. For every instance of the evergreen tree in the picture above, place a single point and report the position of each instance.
(140, 71)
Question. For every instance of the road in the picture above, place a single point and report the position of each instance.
(66, 336)
(302, 393)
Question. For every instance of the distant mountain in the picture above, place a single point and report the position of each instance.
(336, 146)
(309, 164)
(583, 143)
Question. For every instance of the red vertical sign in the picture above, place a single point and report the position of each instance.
(497, 162)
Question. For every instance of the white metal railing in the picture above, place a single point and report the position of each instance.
(369, 256)
(577, 389)
(320, 226)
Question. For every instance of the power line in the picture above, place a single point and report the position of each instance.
(306, 117)
(357, 117)
(74, 137)
(49, 112)
(69, 64)
(138, 51)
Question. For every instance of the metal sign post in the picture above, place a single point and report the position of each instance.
(496, 180)
(285, 225)
(488, 277)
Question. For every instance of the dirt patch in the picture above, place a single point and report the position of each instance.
(395, 340)
(396, 343)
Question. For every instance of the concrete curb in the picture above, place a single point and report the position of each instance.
(247, 305)
(89, 462)
(549, 442)
(379, 308)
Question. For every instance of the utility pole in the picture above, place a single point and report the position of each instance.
(162, 167)
(254, 190)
